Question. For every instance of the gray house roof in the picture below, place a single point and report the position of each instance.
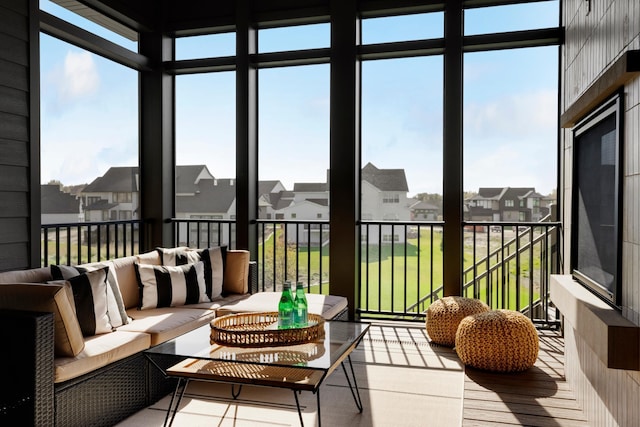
(211, 196)
(119, 179)
(266, 187)
(55, 201)
(310, 187)
(385, 179)
(187, 177)
(424, 206)
(498, 193)
(281, 199)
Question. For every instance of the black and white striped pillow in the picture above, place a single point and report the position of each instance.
(90, 296)
(169, 286)
(213, 259)
(115, 304)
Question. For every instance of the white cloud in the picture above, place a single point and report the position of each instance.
(77, 78)
(81, 74)
(512, 116)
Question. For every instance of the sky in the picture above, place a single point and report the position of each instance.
(89, 106)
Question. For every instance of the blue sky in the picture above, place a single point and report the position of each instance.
(89, 106)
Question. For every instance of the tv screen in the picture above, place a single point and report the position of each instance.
(596, 201)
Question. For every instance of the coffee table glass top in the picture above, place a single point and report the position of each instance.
(339, 339)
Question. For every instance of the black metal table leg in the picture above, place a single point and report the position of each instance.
(356, 393)
(184, 383)
(318, 404)
(295, 395)
(235, 394)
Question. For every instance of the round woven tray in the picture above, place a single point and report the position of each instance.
(298, 355)
(261, 330)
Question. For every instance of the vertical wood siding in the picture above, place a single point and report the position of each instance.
(14, 134)
(595, 39)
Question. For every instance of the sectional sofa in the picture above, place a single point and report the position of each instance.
(87, 364)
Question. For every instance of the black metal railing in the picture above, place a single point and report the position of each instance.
(510, 264)
(293, 250)
(400, 268)
(506, 265)
(83, 242)
(204, 233)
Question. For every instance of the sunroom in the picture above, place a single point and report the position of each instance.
(389, 152)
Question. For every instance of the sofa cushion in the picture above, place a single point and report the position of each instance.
(236, 273)
(328, 306)
(90, 296)
(126, 274)
(99, 351)
(52, 298)
(115, 305)
(218, 302)
(166, 286)
(213, 259)
(163, 324)
(33, 275)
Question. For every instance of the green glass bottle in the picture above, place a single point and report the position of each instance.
(300, 312)
(285, 307)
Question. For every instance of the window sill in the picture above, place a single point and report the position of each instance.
(613, 338)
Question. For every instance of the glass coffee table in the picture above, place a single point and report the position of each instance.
(301, 367)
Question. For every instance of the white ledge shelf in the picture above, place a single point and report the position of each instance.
(613, 338)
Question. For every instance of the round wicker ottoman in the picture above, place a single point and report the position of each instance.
(445, 314)
(498, 340)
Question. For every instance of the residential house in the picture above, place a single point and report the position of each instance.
(272, 197)
(58, 207)
(507, 204)
(423, 211)
(199, 195)
(113, 196)
(384, 198)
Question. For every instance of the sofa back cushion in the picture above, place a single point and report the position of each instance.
(126, 275)
(52, 298)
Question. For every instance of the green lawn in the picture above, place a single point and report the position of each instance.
(396, 285)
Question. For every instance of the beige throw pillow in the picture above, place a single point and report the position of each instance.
(52, 298)
(236, 272)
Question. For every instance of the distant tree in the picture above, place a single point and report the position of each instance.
(432, 198)
(469, 194)
(55, 182)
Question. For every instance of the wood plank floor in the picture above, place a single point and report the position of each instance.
(539, 396)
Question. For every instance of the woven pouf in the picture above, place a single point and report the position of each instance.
(445, 314)
(498, 340)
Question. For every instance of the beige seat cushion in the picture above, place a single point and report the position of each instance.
(166, 323)
(51, 298)
(328, 306)
(99, 351)
(216, 303)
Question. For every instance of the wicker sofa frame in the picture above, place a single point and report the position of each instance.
(102, 397)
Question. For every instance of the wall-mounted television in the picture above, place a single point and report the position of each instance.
(596, 220)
